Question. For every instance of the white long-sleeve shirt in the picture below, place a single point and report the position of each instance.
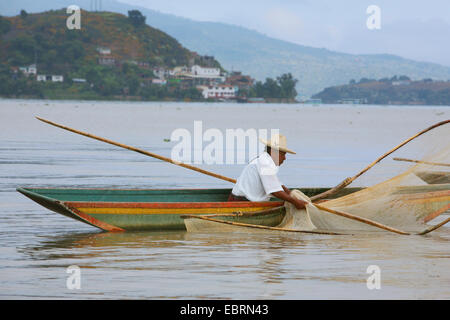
(258, 179)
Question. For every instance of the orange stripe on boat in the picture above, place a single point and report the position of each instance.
(95, 222)
(438, 212)
(429, 200)
(122, 210)
(426, 195)
(176, 205)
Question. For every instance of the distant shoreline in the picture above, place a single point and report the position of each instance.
(297, 103)
(398, 90)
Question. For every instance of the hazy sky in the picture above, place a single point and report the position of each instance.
(415, 29)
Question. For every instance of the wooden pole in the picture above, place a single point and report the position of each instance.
(331, 191)
(424, 162)
(347, 181)
(139, 151)
(360, 219)
(432, 228)
(257, 226)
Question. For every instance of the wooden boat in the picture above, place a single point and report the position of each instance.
(434, 177)
(156, 209)
(121, 210)
(161, 209)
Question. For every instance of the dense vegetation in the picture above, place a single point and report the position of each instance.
(45, 40)
(283, 87)
(395, 90)
(256, 54)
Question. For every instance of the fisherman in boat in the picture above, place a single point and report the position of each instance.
(259, 181)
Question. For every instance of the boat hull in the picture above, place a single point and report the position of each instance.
(155, 209)
(166, 216)
(162, 209)
(434, 177)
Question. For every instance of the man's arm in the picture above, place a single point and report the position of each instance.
(283, 195)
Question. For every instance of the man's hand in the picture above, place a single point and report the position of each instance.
(299, 204)
(283, 195)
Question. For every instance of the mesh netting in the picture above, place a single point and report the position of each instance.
(406, 189)
(415, 189)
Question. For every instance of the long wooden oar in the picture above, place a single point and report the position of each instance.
(424, 162)
(139, 151)
(347, 181)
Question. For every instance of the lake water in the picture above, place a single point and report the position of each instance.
(332, 142)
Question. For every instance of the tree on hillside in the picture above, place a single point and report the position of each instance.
(23, 48)
(281, 88)
(271, 89)
(287, 84)
(365, 80)
(136, 18)
(5, 25)
(23, 14)
(404, 78)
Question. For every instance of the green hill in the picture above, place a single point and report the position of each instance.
(129, 52)
(43, 32)
(396, 90)
(261, 56)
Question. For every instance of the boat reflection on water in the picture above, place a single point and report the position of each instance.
(156, 239)
(223, 265)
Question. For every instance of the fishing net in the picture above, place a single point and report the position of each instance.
(402, 193)
(299, 219)
(407, 190)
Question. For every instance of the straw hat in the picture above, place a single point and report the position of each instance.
(278, 142)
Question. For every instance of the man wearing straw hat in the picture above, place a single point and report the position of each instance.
(259, 181)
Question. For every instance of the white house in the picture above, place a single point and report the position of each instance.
(57, 78)
(159, 81)
(53, 78)
(179, 71)
(79, 80)
(107, 60)
(198, 71)
(31, 69)
(220, 91)
(162, 73)
(103, 50)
